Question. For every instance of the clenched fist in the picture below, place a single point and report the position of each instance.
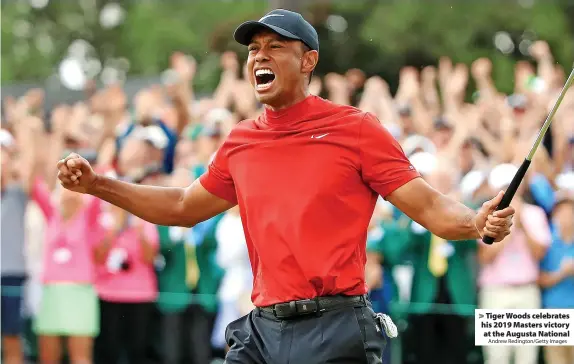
(495, 224)
(76, 174)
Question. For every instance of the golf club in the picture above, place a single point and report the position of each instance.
(517, 179)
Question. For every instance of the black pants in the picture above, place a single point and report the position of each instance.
(186, 336)
(123, 326)
(348, 335)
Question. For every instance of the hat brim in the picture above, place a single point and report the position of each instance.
(245, 32)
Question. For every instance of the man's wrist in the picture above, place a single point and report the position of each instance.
(478, 234)
(96, 186)
(476, 230)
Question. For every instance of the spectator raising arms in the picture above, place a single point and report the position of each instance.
(557, 270)
(126, 284)
(94, 267)
(69, 306)
(509, 270)
(18, 169)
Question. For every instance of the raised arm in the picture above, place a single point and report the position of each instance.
(448, 218)
(27, 134)
(386, 169)
(168, 206)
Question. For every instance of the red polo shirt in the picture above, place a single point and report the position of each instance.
(306, 180)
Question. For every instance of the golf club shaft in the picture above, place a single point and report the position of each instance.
(550, 116)
(517, 179)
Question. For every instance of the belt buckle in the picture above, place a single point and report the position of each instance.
(281, 315)
(297, 308)
(307, 306)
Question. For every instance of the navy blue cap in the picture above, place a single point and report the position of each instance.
(286, 23)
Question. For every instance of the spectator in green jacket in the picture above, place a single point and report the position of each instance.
(442, 279)
(188, 283)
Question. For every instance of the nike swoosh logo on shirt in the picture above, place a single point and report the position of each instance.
(319, 136)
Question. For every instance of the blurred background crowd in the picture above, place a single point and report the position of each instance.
(147, 91)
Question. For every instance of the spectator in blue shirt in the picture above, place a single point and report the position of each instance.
(170, 136)
(542, 192)
(557, 270)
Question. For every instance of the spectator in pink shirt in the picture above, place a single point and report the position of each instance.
(69, 306)
(510, 269)
(126, 284)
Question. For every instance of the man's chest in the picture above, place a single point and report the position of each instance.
(310, 163)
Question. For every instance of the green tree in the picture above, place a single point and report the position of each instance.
(380, 36)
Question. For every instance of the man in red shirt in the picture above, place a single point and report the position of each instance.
(306, 175)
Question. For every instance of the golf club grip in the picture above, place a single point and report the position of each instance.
(509, 193)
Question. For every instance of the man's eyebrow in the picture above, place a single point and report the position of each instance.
(270, 39)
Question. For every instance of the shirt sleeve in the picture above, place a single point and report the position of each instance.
(41, 195)
(217, 179)
(542, 192)
(384, 166)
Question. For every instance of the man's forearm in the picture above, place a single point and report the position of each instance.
(158, 205)
(452, 220)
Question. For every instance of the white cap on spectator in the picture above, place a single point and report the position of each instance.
(471, 182)
(565, 181)
(153, 134)
(395, 130)
(6, 139)
(414, 142)
(501, 175)
(217, 115)
(424, 162)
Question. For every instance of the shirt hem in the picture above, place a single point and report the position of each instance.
(399, 183)
(210, 187)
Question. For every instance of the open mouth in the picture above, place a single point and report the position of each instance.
(264, 78)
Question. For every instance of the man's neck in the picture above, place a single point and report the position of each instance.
(287, 104)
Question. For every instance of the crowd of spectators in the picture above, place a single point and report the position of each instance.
(85, 281)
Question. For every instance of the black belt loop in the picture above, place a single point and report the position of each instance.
(293, 306)
(319, 311)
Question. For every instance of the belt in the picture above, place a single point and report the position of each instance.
(313, 306)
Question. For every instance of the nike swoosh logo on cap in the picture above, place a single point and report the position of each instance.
(270, 15)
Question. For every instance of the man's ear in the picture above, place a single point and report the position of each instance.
(309, 61)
